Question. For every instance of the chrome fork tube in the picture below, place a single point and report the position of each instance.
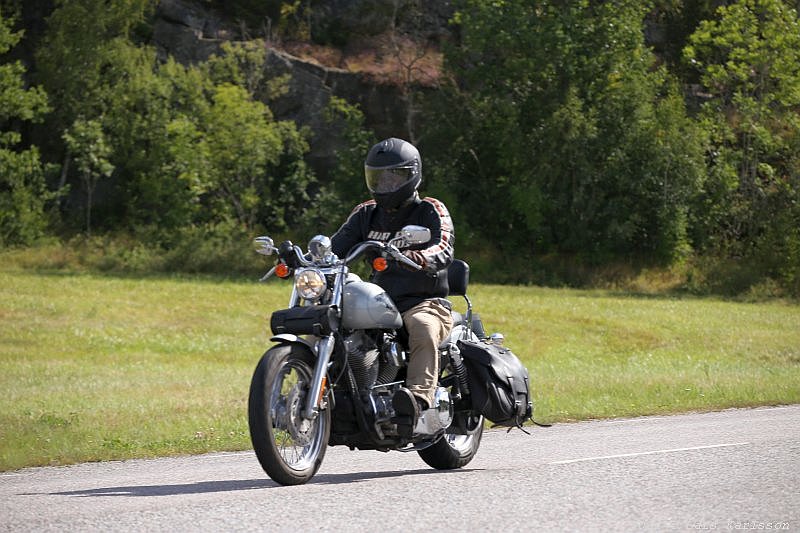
(324, 351)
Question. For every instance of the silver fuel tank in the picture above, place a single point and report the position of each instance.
(367, 306)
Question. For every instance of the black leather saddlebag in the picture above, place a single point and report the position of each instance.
(309, 320)
(498, 383)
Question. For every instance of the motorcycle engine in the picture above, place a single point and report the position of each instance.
(370, 367)
(375, 362)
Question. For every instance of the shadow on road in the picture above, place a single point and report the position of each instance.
(336, 479)
(203, 487)
(200, 487)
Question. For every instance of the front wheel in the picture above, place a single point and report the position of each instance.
(289, 447)
(455, 450)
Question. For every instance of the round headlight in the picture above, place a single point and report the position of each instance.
(310, 283)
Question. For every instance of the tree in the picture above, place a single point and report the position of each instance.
(76, 53)
(409, 47)
(23, 193)
(241, 146)
(77, 60)
(748, 59)
(188, 145)
(346, 177)
(256, 174)
(87, 144)
(153, 191)
(566, 123)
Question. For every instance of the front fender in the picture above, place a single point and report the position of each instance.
(290, 339)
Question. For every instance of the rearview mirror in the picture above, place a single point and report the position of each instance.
(415, 234)
(264, 245)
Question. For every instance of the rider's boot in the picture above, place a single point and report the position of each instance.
(407, 409)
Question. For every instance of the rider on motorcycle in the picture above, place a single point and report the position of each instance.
(393, 170)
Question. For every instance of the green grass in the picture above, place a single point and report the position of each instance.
(101, 368)
(602, 354)
(98, 367)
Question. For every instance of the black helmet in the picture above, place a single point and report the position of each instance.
(394, 171)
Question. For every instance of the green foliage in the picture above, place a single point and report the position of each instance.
(241, 146)
(153, 124)
(23, 194)
(345, 187)
(571, 126)
(87, 62)
(672, 22)
(79, 52)
(556, 137)
(87, 142)
(189, 144)
(16, 101)
(240, 64)
(23, 197)
(748, 59)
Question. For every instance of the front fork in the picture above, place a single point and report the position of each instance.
(324, 351)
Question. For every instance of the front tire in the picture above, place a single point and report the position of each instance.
(455, 450)
(289, 447)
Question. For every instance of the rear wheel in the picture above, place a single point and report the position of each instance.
(289, 447)
(455, 450)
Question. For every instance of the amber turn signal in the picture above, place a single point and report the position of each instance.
(282, 270)
(380, 264)
(322, 389)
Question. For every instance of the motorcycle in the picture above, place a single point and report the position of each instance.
(340, 355)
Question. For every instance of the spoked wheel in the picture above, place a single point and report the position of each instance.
(455, 450)
(289, 446)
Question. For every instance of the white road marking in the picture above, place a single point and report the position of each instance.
(632, 420)
(222, 455)
(673, 450)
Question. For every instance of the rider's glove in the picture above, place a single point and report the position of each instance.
(417, 257)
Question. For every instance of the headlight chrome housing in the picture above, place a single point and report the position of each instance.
(320, 249)
(310, 284)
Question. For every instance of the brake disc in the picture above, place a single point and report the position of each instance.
(298, 426)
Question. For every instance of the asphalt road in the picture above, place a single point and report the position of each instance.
(732, 470)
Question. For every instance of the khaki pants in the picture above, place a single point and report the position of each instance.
(428, 324)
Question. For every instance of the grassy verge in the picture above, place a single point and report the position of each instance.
(603, 354)
(97, 368)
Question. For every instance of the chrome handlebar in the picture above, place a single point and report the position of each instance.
(389, 248)
(265, 246)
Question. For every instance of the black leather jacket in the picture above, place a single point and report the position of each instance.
(407, 288)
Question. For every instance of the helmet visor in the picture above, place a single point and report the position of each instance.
(386, 180)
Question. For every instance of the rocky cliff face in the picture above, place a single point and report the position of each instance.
(191, 33)
(333, 18)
